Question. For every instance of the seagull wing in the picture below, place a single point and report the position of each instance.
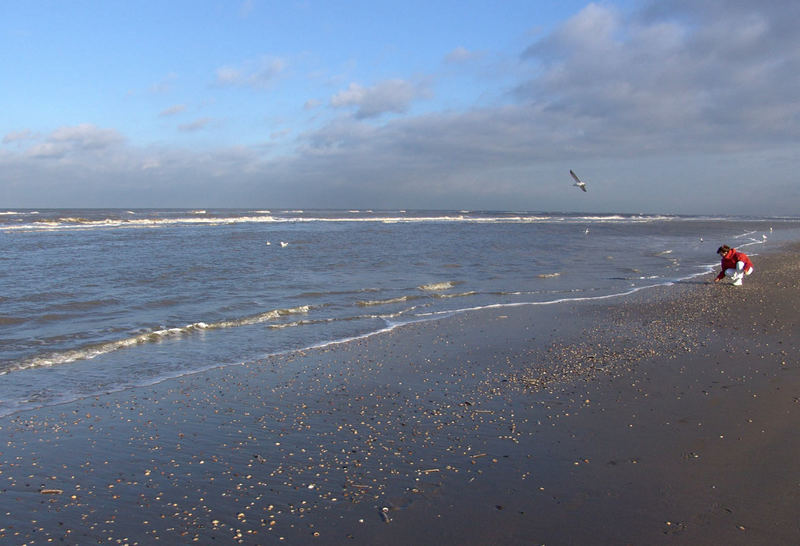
(578, 182)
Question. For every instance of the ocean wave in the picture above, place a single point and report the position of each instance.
(437, 286)
(260, 317)
(91, 351)
(458, 295)
(309, 322)
(548, 275)
(93, 219)
(389, 301)
(82, 223)
(155, 219)
(296, 323)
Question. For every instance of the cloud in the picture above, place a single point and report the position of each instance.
(681, 106)
(666, 99)
(133, 176)
(172, 110)
(165, 85)
(676, 76)
(18, 136)
(196, 125)
(461, 55)
(79, 139)
(260, 74)
(280, 133)
(394, 96)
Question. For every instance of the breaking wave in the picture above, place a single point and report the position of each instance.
(437, 286)
(89, 352)
(88, 219)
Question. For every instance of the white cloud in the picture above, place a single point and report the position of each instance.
(165, 85)
(18, 136)
(46, 150)
(394, 96)
(259, 74)
(280, 133)
(87, 136)
(227, 75)
(79, 139)
(461, 55)
(172, 110)
(196, 125)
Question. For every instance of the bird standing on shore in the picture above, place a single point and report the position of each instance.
(578, 182)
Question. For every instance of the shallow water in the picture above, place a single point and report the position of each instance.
(100, 300)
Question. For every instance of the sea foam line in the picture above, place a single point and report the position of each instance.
(197, 218)
(392, 325)
(434, 315)
(79, 223)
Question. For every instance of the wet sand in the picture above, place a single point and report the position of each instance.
(666, 417)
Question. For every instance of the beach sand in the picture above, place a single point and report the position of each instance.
(666, 417)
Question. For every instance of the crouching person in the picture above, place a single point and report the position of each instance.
(735, 265)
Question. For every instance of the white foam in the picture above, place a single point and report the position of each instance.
(369, 303)
(458, 295)
(298, 216)
(153, 336)
(78, 223)
(437, 286)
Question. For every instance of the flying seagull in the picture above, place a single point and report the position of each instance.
(581, 185)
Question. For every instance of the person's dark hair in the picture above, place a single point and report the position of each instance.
(723, 249)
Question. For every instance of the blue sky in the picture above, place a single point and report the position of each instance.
(671, 106)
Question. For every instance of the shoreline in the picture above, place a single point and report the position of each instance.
(323, 345)
(662, 421)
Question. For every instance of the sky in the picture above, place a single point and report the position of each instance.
(664, 106)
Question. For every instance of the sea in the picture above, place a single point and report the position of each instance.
(101, 300)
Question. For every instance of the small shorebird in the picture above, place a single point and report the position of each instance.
(578, 182)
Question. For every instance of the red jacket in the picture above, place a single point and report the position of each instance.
(730, 259)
